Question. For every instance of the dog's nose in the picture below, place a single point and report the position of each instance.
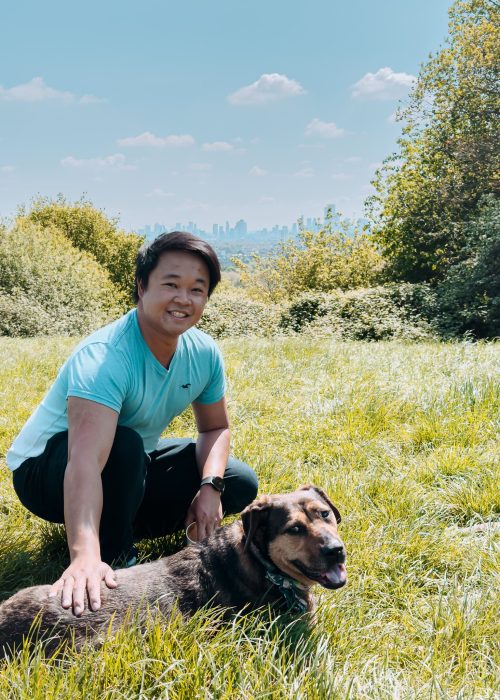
(333, 549)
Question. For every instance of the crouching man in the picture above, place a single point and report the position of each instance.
(91, 456)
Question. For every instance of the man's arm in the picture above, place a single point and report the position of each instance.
(212, 452)
(91, 431)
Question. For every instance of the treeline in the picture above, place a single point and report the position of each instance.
(428, 265)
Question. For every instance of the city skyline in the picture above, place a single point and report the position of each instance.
(241, 229)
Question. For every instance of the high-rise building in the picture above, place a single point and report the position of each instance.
(240, 228)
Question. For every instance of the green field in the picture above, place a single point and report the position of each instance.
(404, 438)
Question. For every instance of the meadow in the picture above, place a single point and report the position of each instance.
(403, 437)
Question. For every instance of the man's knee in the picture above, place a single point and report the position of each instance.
(127, 455)
(241, 486)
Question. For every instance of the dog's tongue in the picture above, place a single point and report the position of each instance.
(336, 575)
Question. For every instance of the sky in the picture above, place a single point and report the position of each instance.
(208, 111)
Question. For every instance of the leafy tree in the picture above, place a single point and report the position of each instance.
(48, 287)
(90, 230)
(448, 154)
(469, 296)
(331, 258)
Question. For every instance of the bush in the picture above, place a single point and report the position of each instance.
(230, 313)
(90, 230)
(49, 287)
(377, 313)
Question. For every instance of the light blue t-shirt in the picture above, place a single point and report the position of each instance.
(115, 367)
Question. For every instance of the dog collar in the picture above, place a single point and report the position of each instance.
(287, 586)
(289, 589)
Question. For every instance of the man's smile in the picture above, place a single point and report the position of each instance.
(178, 314)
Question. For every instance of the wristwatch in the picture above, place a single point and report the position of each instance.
(216, 482)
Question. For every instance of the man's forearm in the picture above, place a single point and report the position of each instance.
(82, 509)
(212, 452)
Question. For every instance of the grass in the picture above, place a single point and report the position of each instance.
(404, 438)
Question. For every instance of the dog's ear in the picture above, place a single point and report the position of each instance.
(322, 494)
(253, 517)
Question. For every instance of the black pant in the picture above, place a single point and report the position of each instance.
(144, 496)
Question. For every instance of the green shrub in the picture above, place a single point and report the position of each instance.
(307, 308)
(49, 287)
(90, 230)
(230, 313)
(377, 313)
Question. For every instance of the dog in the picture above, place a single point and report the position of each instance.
(281, 547)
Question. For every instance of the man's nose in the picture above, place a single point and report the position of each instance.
(182, 295)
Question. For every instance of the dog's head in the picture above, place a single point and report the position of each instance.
(298, 533)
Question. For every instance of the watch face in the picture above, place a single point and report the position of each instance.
(218, 483)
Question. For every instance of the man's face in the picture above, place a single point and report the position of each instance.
(176, 294)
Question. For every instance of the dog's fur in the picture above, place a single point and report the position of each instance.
(295, 534)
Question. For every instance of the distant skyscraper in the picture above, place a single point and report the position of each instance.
(240, 228)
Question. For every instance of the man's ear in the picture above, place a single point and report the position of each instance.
(253, 517)
(324, 497)
(140, 288)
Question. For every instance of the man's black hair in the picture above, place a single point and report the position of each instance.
(149, 254)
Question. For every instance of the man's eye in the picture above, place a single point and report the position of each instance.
(325, 514)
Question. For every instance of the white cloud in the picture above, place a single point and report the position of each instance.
(199, 167)
(217, 146)
(36, 90)
(257, 172)
(353, 159)
(267, 200)
(91, 100)
(159, 193)
(341, 177)
(149, 139)
(7, 169)
(305, 172)
(270, 87)
(115, 161)
(327, 130)
(385, 84)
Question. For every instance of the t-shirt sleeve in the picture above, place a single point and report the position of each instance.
(216, 386)
(97, 373)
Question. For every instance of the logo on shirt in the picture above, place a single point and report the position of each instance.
(185, 386)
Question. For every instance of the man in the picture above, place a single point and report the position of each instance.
(91, 456)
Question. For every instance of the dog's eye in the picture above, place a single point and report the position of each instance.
(325, 514)
(295, 529)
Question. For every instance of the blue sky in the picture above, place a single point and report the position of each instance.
(206, 111)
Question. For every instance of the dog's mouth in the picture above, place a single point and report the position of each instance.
(334, 577)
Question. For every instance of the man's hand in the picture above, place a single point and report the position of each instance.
(206, 511)
(81, 581)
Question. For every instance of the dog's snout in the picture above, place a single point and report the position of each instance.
(334, 549)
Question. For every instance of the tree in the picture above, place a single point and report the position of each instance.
(448, 155)
(469, 296)
(332, 258)
(90, 230)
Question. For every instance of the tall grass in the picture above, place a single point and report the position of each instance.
(405, 440)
